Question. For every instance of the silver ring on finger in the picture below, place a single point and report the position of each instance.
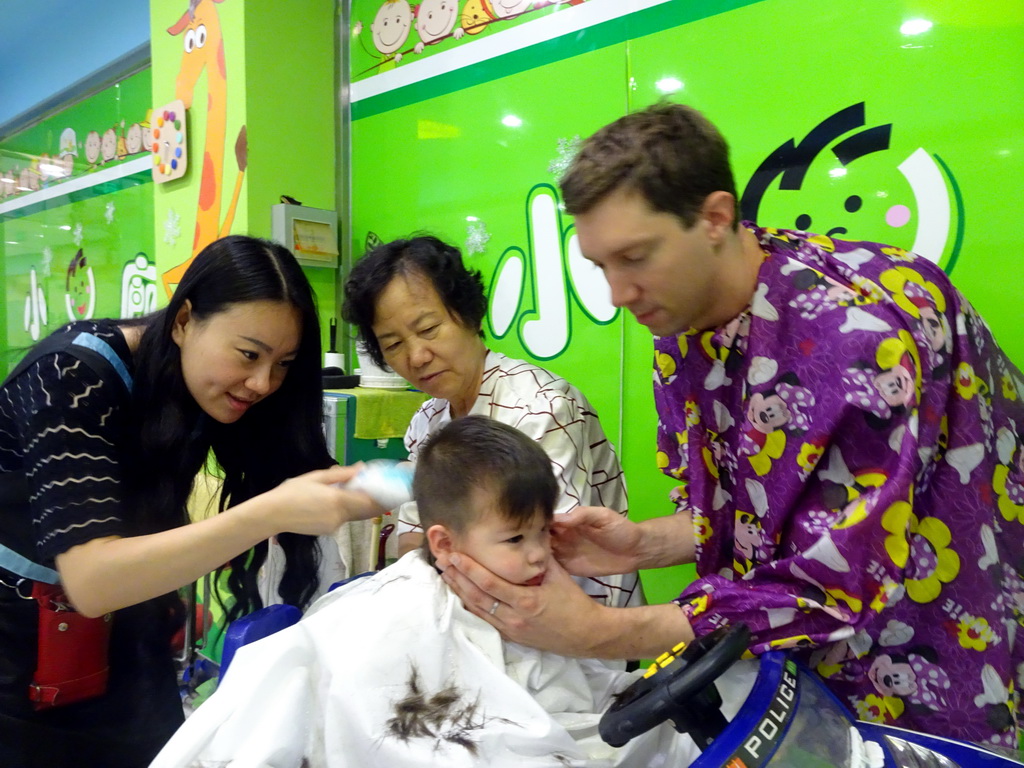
(494, 607)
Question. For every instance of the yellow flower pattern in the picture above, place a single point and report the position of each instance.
(878, 709)
(967, 383)
(896, 520)
(702, 529)
(974, 632)
(1009, 388)
(873, 562)
(810, 455)
(932, 559)
(774, 445)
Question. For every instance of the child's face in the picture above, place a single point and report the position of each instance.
(517, 553)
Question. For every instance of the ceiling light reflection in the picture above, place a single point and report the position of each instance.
(669, 84)
(915, 26)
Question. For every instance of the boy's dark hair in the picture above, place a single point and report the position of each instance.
(474, 453)
(461, 290)
(669, 153)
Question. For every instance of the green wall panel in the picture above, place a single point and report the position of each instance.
(72, 249)
(907, 138)
(948, 103)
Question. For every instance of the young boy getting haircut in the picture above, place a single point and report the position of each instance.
(392, 670)
(485, 489)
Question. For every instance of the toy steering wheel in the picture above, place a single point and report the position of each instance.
(680, 687)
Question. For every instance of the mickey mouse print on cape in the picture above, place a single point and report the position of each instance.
(850, 449)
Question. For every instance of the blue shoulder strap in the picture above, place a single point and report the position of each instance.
(25, 568)
(86, 347)
(98, 345)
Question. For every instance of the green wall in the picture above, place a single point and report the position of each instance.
(925, 124)
(75, 238)
(290, 117)
(286, 104)
(279, 63)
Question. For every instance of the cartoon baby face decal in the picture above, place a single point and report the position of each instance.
(844, 179)
(80, 298)
(391, 26)
(435, 19)
(27, 180)
(8, 185)
(133, 140)
(92, 147)
(109, 145)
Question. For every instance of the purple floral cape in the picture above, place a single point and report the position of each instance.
(850, 449)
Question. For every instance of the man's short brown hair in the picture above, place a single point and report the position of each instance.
(669, 153)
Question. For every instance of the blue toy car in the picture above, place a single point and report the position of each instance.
(789, 717)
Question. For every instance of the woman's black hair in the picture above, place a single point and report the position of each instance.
(461, 290)
(280, 437)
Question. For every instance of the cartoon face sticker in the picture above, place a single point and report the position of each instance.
(503, 9)
(27, 181)
(748, 535)
(133, 140)
(80, 298)
(767, 414)
(737, 327)
(886, 386)
(391, 26)
(475, 17)
(849, 179)
(891, 677)
(934, 328)
(68, 142)
(915, 677)
(896, 386)
(436, 19)
(109, 145)
(92, 147)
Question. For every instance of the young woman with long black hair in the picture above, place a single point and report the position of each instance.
(97, 460)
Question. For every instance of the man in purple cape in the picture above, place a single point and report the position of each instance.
(846, 433)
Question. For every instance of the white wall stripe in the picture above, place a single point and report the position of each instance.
(80, 182)
(562, 22)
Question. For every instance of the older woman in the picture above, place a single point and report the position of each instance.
(419, 311)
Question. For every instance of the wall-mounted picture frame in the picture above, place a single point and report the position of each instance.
(310, 233)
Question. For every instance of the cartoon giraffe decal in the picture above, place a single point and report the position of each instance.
(204, 50)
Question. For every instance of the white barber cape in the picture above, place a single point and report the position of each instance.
(392, 671)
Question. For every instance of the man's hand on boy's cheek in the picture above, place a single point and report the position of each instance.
(595, 541)
(540, 617)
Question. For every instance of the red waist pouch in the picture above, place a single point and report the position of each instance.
(73, 659)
